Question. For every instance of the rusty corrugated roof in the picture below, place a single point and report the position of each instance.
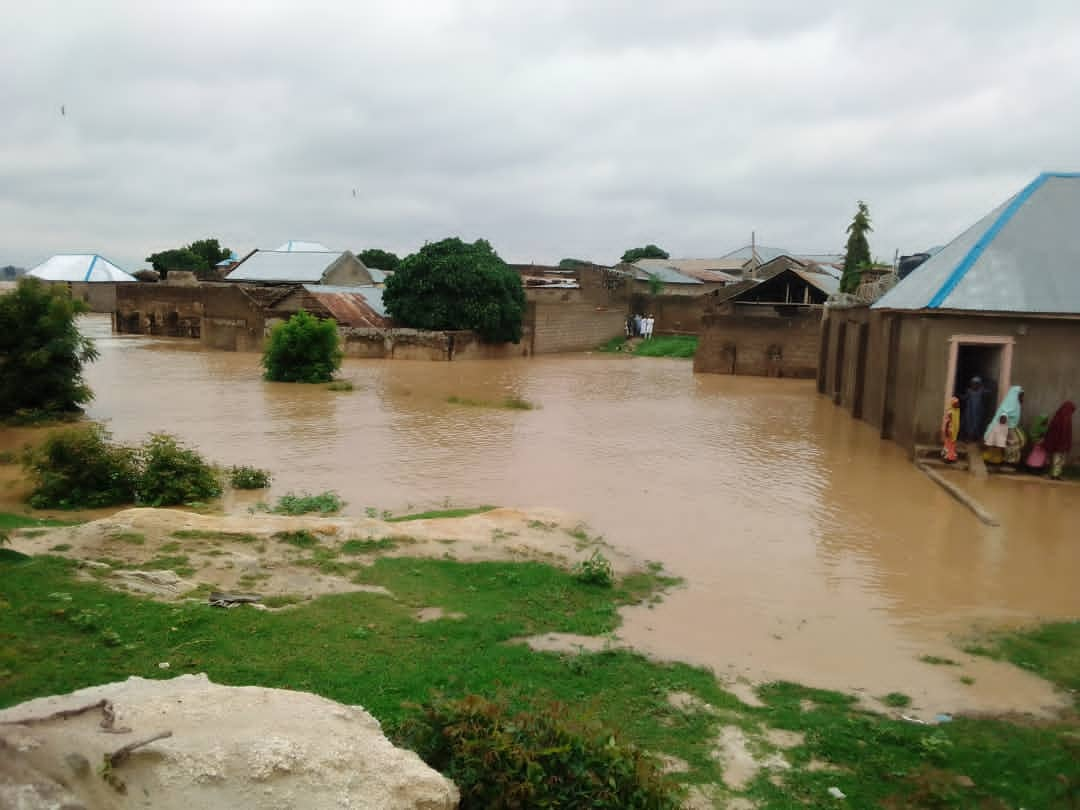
(359, 306)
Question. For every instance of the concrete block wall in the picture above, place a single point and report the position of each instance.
(573, 326)
(675, 314)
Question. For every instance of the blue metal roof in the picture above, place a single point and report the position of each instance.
(666, 274)
(1024, 256)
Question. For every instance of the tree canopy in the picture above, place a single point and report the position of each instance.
(303, 349)
(10, 271)
(857, 256)
(379, 259)
(199, 258)
(41, 350)
(571, 264)
(455, 285)
(648, 252)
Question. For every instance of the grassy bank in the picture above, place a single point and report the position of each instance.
(59, 633)
(683, 346)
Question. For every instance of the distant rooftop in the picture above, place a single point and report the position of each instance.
(89, 267)
(299, 245)
(282, 266)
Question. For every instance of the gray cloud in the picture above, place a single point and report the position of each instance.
(551, 128)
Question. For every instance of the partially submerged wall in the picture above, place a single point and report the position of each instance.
(417, 344)
(100, 296)
(759, 340)
(566, 321)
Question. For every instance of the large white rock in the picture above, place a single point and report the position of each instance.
(235, 747)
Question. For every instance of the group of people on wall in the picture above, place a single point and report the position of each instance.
(1042, 448)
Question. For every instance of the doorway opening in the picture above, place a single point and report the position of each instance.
(990, 360)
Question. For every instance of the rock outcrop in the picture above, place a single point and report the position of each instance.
(228, 747)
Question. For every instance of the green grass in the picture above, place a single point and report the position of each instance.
(1051, 651)
(340, 385)
(198, 534)
(59, 633)
(441, 513)
(9, 520)
(682, 346)
(368, 546)
(897, 700)
(937, 660)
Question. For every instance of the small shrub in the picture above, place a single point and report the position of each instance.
(325, 503)
(596, 570)
(300, 539)
(501, 760)
(897, 700)
(303, 349)
(81, 468)
(245, 477)
(174, 474)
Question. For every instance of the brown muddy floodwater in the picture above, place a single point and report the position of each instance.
(812, 551)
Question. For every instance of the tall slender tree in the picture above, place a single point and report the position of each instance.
(857, 257)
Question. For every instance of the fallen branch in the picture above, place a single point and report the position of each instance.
(108, 720)
(977, 508)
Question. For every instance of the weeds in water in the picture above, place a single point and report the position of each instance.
(542, 526)
(596, 570)
(436, 514)
(898, 700)
(967, 680)
(246, 477)
(59, 547)
(325, 503)
(509, 403)
(938, 661)
(340, 385)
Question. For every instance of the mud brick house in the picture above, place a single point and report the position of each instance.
(1001, 301)
(767, 326)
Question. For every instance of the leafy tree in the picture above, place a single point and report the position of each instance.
(80, 467)
(10, 271)
(210, 251)
(647, 252)
(199, 258)
(41, 350)
(455, 285)
(379, 259)
(303, 349)
(857, 256)
(573, 264)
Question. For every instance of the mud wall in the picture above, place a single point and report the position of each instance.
(99, 296)
(416, 344)
(675, 314)
(565, 321)
(759, 341)
(219, 314)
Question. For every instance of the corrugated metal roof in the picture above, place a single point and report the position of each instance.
(664, 272)
(701, 269)
(300, 246)
(1021, 257)
(827, 284)
(764, 254)
(361, 302)
(79, 267)
(284, 266)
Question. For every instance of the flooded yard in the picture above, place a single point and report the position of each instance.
(811, 550)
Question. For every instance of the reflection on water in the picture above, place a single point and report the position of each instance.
(812, 550)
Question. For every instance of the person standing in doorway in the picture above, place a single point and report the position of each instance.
(1058, 440)
(950, 430)
(971, 421)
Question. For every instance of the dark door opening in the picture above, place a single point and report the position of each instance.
(982, 361)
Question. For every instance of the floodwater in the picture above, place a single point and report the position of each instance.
(812, 551)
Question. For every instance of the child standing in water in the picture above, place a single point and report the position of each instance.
(950, 430)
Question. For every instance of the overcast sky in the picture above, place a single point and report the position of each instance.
(550, 127)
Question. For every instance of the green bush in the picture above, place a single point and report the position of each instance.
(246, 477)
(42, 352)
(455, 285)
(303, 349)
(174, 474)
(501, 760)
(596, 570)
(325, 503)
(82, 468)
